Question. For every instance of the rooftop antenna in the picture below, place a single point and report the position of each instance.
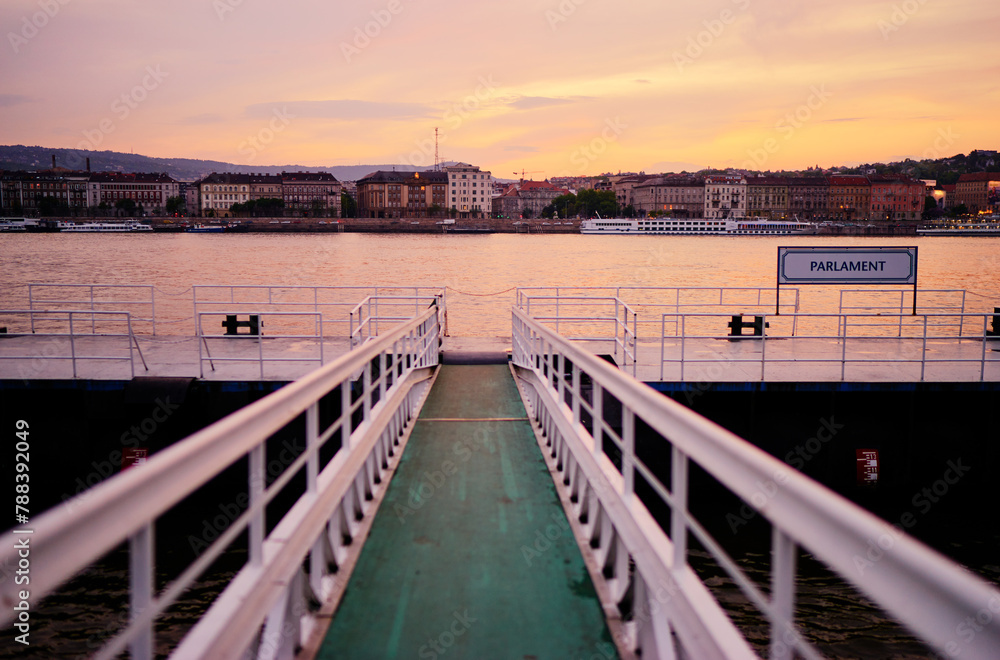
(437, 161)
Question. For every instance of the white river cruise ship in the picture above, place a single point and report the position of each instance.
(727, 227)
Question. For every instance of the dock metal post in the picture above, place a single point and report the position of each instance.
(256, 485)
(679, 491)
(782, 591)
(141, 590)
(72, 344)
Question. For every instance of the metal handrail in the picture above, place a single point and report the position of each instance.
(843, 324)
(75, 534)
(902, 306)
(92, 300)
(762, 298)
(260, 359)
(625, 337)
(358, 319)
(923, 590)
(67, 316)
(272, 294)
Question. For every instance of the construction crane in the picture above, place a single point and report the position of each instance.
(523, 172)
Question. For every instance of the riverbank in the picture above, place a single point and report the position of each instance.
(460, 226)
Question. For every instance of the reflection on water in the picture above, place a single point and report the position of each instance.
(476, 264)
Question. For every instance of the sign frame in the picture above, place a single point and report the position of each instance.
(845, 253)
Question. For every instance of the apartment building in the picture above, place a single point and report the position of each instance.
(979, 191)
(393, 194)
(470, 190)
(725, 196)
(677, 196)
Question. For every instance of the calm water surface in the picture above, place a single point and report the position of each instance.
(478, 264)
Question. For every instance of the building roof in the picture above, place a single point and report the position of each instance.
(226, 177)
(385, 176)
(979, 176)
(321, 177)
(131, 177)
(847, 180)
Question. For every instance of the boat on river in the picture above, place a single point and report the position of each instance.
(696, 226)
(105, 227)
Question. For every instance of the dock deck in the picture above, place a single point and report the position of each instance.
(471, 554)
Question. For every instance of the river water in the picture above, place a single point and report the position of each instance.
(470, 266)
(480, 273)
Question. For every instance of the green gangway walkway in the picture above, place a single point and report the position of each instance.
(459, 562)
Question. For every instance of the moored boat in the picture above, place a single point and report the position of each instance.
(696, 226)
(105, 227)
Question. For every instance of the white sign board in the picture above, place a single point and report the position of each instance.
(847, 265)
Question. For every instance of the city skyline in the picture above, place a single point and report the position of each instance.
(552, 88)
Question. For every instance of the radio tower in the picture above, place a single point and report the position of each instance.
(437, 162)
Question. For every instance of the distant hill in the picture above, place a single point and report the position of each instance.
(20, 157)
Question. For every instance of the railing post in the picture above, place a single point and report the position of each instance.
(982, 359)
(194, 304)
(843, 348)
(346, 415)
(312, 440)
(260, 352)
(72, 343)
(575, 403)
(679, 491)
(663, 342)
(923, 350)
(683, 336)
(628, 454)
(782, 591)
(763, 347)
(93, 319)
(256, 486)
(141, 590)
(152, 306)
(598, 406)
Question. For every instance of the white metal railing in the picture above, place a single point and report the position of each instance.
(590, 314)
(333, 302)
(71, 337)
(856, 339)
(269, 607)
(137, 299)
(272, 339)
(875, 302)
(673, 614)
(651, 301)
(366, 318)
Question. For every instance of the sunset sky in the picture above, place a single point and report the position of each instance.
(552, 87)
